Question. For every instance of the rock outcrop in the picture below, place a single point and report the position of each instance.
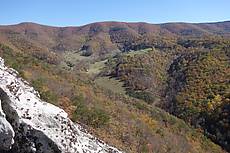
(28, 124)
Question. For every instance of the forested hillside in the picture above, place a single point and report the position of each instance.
(140, 87)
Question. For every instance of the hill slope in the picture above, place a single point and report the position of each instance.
(127, 123)
(144, 66)
(103, 37)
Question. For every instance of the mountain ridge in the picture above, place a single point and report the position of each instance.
(162, 23)
(102, 38)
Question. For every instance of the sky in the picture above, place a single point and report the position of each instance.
(81, 12)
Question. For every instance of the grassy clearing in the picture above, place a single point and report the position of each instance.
(143, 51)
(108, 83)
(96, 67)
(85, 63)
(111, 84)
(75, 56)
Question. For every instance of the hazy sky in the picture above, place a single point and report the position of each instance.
(80, 12)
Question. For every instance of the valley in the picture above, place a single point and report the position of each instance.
(140, 87)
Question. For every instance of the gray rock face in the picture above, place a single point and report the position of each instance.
(28, 124)
(6, 132)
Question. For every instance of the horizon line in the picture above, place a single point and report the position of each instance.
(107, 21)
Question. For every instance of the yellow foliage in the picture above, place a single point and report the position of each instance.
(148, 120)
(215, 102)
(210, 106)
(27, 74)
(217, 99)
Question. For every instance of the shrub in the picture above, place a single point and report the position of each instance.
(146, 96)
(87, 52)
(46, 95)
(141, 106)
(94, 117)
(160, 132)
(69, 64)
(49, 96)
(38, 83)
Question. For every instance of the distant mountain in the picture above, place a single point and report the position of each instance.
(103, 37)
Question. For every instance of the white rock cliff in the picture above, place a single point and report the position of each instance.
(28, 124)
